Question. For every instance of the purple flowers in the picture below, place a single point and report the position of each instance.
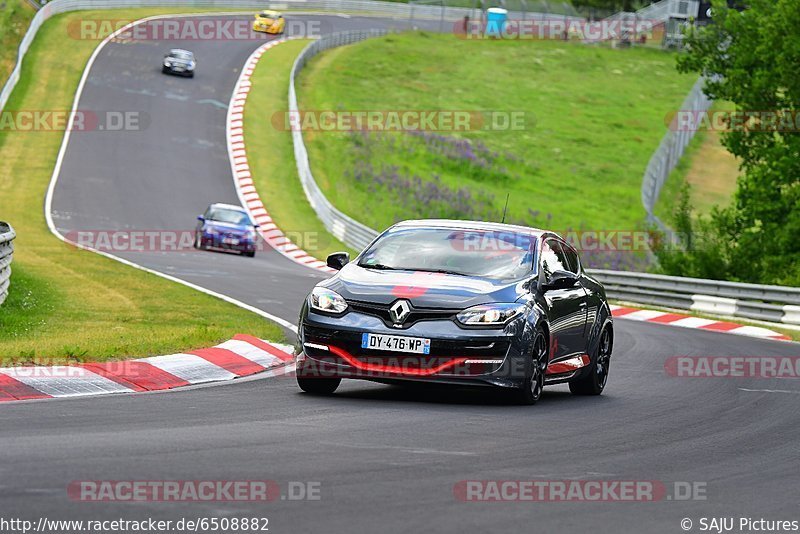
(411, 185)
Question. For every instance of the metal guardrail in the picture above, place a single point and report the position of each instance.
(751, 301)
(7, 236)
(669, 152)
(344, 228)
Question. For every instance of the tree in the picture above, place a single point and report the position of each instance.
(751, 58)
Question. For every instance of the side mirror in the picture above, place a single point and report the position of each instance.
(561, 280)
(201, 218)
(337, 260)
(256, 226)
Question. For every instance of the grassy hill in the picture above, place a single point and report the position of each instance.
(592, 118)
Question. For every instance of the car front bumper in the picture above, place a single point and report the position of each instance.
(177, 70)
(331, 347)
(216, 241)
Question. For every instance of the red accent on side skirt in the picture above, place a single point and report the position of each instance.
(567, 366)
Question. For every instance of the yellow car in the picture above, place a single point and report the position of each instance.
(269, 22)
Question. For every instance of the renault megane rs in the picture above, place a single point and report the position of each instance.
(456, 302)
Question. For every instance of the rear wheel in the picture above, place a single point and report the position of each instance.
(318, 386)
(594, 382)
(531, 389)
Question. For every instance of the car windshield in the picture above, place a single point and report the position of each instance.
(491, 254)
(181, 54)
(227, 216)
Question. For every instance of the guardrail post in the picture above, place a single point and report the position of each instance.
(7, 236)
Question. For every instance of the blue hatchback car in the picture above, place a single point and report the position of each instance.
(226, 227)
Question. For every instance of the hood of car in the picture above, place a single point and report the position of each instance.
(422, 289)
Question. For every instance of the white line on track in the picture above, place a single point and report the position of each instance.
(795, 392)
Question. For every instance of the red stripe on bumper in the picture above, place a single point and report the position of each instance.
(12, 389)
(229, 360)
(358, 364)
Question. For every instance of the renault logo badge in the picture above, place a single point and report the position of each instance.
(399, 311)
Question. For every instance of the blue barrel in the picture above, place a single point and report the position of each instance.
(496, 18)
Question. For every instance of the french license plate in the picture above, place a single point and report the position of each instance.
(230, 241)
(417, 345)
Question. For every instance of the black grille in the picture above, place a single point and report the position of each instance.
(416, 315)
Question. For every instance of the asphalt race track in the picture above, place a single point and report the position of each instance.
(164, 175)
(387, 458)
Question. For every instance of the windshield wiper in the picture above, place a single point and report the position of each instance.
(378, 266)
(443, 271)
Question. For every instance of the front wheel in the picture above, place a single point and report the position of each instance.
(594, 382)
(198, 241)
(531, 389)
(318, 386)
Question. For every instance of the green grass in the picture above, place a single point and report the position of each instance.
(710, 170)
(594, 116)
(67, 304)
(270, 154)
(15, 17)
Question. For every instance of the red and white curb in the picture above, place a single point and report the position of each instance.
(688, 321)
(241, 356)
(242, 177)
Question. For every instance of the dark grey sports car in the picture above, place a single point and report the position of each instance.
(181, 62)
(456, 302)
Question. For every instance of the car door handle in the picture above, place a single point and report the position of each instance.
(583, 304)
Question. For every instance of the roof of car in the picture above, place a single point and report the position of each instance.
(270, 13)
(179, 51)
(227, 206)
(471, 225)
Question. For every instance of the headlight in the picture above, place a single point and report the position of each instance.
(211, 230)
(490, 314)
(325, 300)
(190, 66)
(251, 233)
